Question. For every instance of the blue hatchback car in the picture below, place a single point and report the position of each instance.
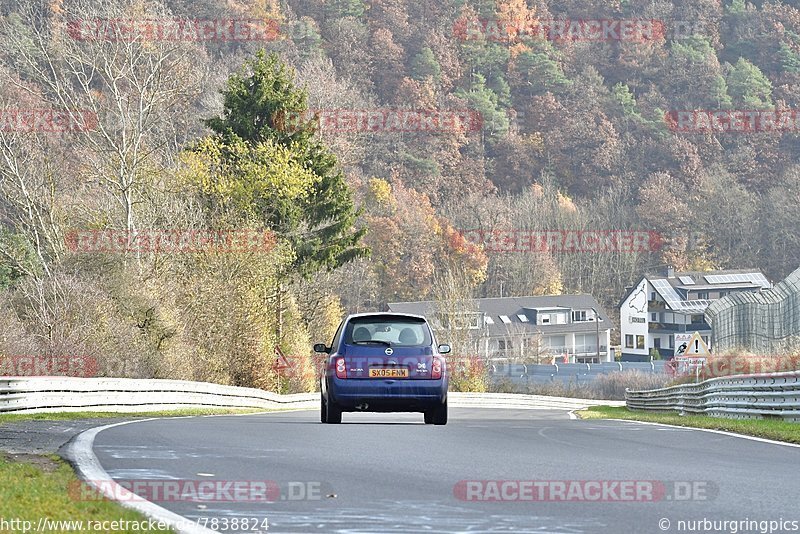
(384, 362)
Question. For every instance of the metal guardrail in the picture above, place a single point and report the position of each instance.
(18, 394)
(59, 394)
(761, 396)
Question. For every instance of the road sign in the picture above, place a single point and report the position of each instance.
(696, 347)
(281, 362)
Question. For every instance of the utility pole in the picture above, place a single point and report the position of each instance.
(597, 332)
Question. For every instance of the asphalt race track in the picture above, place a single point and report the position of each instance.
(391, 473)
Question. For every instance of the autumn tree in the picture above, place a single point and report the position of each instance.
(264, 113)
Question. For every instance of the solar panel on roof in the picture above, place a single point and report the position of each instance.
(753, 278)
(667, 291)
(687, 280)
(761, 280)
(675, 301)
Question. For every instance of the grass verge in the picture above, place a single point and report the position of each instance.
(36, 487)
(762, 428)
(69, 416)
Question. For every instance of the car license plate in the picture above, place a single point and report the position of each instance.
(388, 373)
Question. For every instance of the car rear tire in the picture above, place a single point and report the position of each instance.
(332, 414)
(437, 416)
(323, 412)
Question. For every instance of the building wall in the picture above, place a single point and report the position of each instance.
(633, 315)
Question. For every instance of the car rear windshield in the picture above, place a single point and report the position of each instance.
(388, 330)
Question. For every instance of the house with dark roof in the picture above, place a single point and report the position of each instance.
(543, 329)
(660, 312)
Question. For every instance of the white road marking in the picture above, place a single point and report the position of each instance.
(80, 452)
(721, 432)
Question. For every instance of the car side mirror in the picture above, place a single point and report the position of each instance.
(444, 349)
(321, 347)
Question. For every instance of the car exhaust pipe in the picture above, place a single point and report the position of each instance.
(362, 407)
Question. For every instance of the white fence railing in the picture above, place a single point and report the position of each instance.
(761, 396)
(57, 394)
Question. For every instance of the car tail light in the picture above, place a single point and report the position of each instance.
(436, 369)
(341, 369)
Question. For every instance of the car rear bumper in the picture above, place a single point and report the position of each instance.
(386, 395)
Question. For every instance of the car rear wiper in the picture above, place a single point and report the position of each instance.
(384, 343)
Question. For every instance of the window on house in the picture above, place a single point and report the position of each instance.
(555, 343)
(522, 317)
(579, 316)
(654, 317)
(504, 344)
(702, 295)
(628, 341)
(639, 342)
(585, 343)
(697, 319)
(545, 319)
(505, 319)
(488, 320)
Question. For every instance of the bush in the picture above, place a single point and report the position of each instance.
(609, 386)
(468, 374)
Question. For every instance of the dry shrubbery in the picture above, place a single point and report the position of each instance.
(467, 374)
(609, 386)
(197, 317)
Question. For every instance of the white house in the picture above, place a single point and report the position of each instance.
(660, 311)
